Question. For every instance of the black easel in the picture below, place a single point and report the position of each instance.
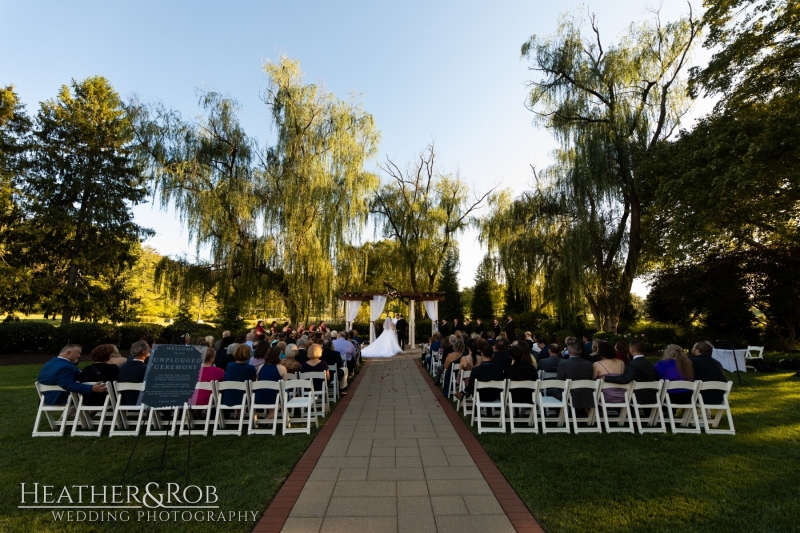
(161, 465)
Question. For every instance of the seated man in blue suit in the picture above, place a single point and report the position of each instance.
(64, 372)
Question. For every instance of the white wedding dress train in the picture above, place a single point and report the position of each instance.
(386, 345)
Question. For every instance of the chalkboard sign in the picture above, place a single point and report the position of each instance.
(172, 373)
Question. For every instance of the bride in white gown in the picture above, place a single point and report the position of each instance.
(386, 345)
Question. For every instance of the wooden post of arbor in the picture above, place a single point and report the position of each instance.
(411, 323)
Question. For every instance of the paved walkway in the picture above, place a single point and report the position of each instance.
(395, 463)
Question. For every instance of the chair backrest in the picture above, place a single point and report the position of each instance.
(548, 375)
(715, 385)
(47, 388)
(263, 385)
(290, 376)
(490, 385)
(755, 352)
(299, 383)
(681, 384)
(556, 384)
(312, 375)
(231, 385)
(523, 384)
(204, 385)
(128, 386)
(583, 384)
(654, 385)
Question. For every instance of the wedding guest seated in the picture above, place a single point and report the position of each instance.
(521, 369)
(348, 352)
(224, 356)
(608, 366)
(134, 371)
(218, 344)
(675, 366)
(271, 370)
(333, 357)
(290, 362)
(472, 357)
(258, 355)
(208, 373)
(567, 341)
(316, 364)
(622, 352)
(436, 345)
(575, 368)
(64, 372)
(638, 369)
(486, 371)
(100, 370)
(588, 344)
(706, 368)
(302, 355)
(501, 356)
(239, 370)
(453, 358)
(550, 362)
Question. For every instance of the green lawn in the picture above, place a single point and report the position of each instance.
(665, 482)
(247, 471)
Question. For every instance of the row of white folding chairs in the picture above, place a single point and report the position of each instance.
(127, 420)
(630, 409)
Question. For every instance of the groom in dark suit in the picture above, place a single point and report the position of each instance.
(402, 329)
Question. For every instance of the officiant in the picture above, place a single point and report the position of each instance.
(402, 330)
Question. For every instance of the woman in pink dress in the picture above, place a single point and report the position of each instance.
(208, 373)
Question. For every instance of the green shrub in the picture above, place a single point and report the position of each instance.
(127, 334)
(192, 328)
(87, 334)
(24, 336)
(657, 335)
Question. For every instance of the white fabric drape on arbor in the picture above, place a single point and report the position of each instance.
(351, 309)
(432, 310)
(375, 310)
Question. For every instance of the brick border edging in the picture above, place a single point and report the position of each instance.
(517, 512)
(275, 515)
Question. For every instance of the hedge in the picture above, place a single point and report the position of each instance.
(19, 337)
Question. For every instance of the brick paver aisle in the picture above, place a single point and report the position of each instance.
(396, 464)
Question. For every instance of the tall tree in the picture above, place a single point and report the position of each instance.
(85, 178)
(607, 107)
(15, 277)
(272, 219)
(424, 211)
(482, 305)
(756, 52)
(451, 306)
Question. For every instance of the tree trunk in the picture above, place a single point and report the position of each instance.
(72, 282)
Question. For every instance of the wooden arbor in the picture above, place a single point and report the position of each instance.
(435, 297)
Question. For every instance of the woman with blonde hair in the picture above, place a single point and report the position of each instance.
(676, 366)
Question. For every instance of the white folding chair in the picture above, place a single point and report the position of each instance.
(466, 403)
(254, 421)
(552, 402)
(90, 416)
(689, 417)
(303, 400)
(591, 419)
(532, 419)
(58, 426)
(126, 416)
(724, 407)
(452, 388)
(655, 422)
(158, 425)
(333, 386)
(753, 352)
(221, 424)
(188, 420)
(623, 406)
(319, 395)
(479, 405)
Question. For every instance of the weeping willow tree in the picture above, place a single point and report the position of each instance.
(607, 107)
(271, 220)
(423, 211)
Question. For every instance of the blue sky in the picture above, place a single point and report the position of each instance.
(448, 72)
